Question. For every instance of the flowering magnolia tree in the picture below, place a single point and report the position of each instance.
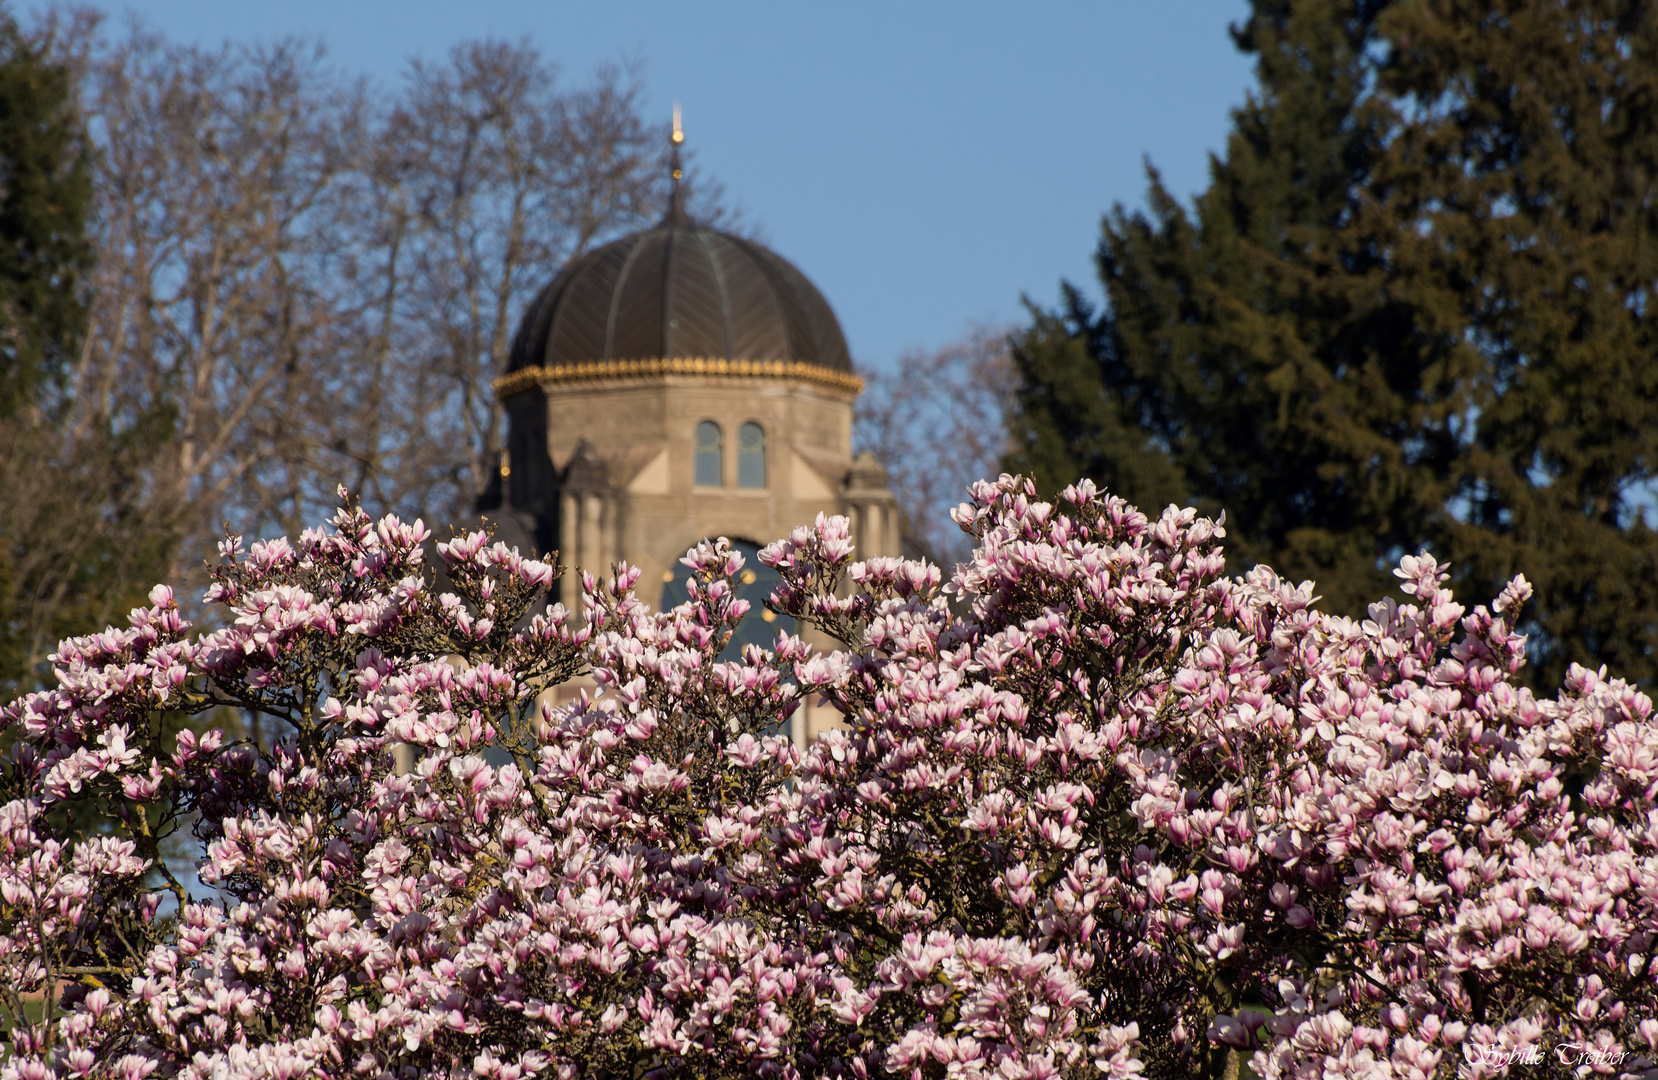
(1097, 810)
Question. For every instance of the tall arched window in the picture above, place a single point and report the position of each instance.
(710, 447)
(751, 456)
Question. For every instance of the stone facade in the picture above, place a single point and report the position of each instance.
(626, 454)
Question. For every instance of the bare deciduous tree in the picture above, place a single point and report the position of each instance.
(937, 423)
(496, 174)
(302, 279)
(79, 550)
(314, 282)
(224, 301)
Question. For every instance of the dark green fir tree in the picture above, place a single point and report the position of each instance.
(1414, 308)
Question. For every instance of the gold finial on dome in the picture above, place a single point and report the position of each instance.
(676, 201)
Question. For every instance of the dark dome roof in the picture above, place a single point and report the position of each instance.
(680, 291)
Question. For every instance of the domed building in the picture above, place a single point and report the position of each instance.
(676, 384)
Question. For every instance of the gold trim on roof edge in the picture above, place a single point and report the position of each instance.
(516, 382)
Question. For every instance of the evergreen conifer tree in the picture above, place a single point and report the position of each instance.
(1415, 306)
(45, 197)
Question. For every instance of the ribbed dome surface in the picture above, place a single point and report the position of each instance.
(679, 290)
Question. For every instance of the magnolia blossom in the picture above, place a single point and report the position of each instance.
(1097, 809)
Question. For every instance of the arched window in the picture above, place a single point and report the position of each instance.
(751, 456)
(710, 447)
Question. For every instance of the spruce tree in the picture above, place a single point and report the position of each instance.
(1414, 307)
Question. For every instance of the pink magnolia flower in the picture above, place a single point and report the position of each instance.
(1096, 809)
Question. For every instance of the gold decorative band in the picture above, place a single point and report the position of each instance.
(516, 382)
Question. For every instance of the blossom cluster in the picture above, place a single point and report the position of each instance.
(1096, 809)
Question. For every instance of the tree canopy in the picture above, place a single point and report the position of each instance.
(1096, 810)
(1414, 307)
(68, 556)
(231, 276)
(45, 198)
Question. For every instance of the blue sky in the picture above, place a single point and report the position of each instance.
(924, 163)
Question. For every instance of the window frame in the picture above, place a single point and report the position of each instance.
(760, 455)
(700, 455)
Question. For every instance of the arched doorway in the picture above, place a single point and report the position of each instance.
(754, 583)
